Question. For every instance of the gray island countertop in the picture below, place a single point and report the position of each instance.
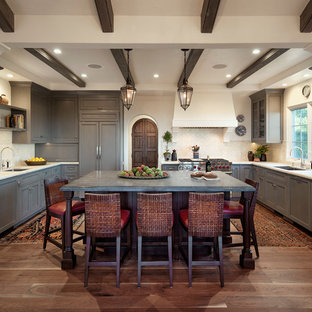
(108, 181)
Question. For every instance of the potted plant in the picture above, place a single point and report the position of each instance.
(167, 137)
(261, 152)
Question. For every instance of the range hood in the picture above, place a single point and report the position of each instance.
(207, 110)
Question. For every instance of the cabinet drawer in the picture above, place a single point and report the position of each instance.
(99, 115)
(276, 178)
(173, 167)
(69, 169)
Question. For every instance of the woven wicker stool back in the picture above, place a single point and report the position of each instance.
(53, 194)
(102, 215)
(154, 214)
(205, 214)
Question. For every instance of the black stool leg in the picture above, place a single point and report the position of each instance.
(170, 260)
(117, 260)
(254, 239)
(63, 233)
(190, 246)
(139, 259)
(87, 256)
(46, 232)
(221, 260)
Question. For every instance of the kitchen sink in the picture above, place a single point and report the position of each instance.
(288, 168)
(15, 169)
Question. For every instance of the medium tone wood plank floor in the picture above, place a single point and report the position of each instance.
(31, 280)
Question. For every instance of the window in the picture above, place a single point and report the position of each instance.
(299, 132)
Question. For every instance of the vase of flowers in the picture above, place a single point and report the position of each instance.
(261, 152)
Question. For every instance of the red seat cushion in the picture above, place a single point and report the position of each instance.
(124, 217)
(183, 213)
(232, 208)
(60, 208)
(136, 219)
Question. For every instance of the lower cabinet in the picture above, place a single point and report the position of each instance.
(241, 172)
(169, 167)
(70, 171)
(300, 201)
(8, 190)
(28, 195)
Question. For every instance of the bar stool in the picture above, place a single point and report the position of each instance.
(104, 218)
(204, 218)
(154, 219)
(235, 210)
(56, 207)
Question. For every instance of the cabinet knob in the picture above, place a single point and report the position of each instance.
(18, 183)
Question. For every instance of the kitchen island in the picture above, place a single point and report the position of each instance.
(179, 183)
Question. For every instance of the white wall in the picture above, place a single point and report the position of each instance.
(21, 151)
(292, 97)
(159, 107)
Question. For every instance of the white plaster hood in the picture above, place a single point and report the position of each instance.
(207, 110)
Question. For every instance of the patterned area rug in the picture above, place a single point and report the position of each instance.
(32, 231)
(273, 230)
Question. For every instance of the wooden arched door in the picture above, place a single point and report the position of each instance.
(144, 143)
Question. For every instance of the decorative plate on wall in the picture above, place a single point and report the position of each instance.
(306, 90)
(240, 130)
(240, 118)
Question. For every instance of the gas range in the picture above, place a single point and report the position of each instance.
(217, 164)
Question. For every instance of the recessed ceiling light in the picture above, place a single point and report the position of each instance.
(156, 76)
(84, 75)
(228, 76)
(219, 66)
(94, 66)
(256, 51)
(10, 75)
(284, 84)
(57, 51)
(306, 75)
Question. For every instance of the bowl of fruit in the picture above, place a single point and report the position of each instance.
(143, 172)
(35, 161)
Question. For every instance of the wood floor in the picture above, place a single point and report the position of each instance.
(31, 280)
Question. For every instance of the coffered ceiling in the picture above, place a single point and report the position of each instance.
(156, 30)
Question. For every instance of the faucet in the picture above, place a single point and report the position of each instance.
(1, 153)
(301, 157)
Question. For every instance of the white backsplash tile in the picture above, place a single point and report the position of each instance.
(211, 143)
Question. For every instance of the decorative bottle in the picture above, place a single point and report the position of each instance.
(208, 165)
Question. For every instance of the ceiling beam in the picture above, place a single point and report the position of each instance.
(208, 15)
(6, 17)
(121, 61)
(192, 60)
(55, 64)
(264, 60)
(306, 19)
(106, 14)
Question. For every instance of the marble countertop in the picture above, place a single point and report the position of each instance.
(30, 169)
(178, 181)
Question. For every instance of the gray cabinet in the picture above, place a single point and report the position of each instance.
(35, 100)
(70, 171)
(259, 176)
(266, 110)
(241, 172)
(300, 201)
(64, 119)
(8, 191)
(170, 167)
(99, 147)
(29, 198)
(276, 191)
(235, 171)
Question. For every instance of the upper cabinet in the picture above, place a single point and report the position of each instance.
(64, 118)
(36, 101)
(266, 110)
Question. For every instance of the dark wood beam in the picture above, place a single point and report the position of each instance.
(51, 61)
(106, 14)
(192, 60)
(121, 61)
(208, 15)
(306, 18)
(6, 17)
(264, 60)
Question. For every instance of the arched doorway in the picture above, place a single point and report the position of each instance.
(144, 143)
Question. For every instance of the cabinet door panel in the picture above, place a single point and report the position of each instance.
(34, 198)
(300, 210)
(8, 205)
(88, 147)
(64, 120)
(109, 143)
